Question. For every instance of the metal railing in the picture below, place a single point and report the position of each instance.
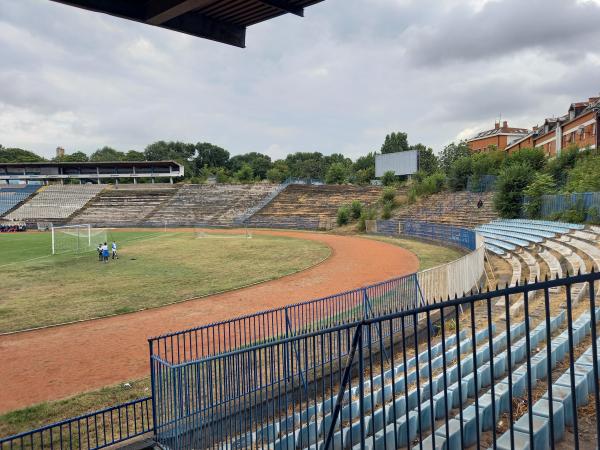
(437, 232)
(555, 204)
(474, 373)
(216, 338)
(90, 431)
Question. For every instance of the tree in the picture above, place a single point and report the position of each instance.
(279, 172)
(534, 157)
(451, 153)
(210, 155)
(133, 155)
(395, 142)
(428, 162)
(460, 171)
(162, 150)
(17, 155)
(260, 163)
(306, 165)
(542, 184)
(106, 154)
(337, 173)
(585, 176)
(511, 183)
(364, 169)
(76, 157)
(245, 174)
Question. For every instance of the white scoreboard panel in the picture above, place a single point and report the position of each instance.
(401, 163)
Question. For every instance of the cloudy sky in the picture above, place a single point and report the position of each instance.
(337, 80)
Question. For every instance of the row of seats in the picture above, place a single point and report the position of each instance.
(56, 202)
(12, 196)
(124, 205)
(317, 202)
(459, 209)
(211, 204)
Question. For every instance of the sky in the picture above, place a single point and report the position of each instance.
(336, 81)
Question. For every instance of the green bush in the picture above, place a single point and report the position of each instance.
(343, 215)
(560, 166)
(512, 180)
(337, 174)
(386, 212)
(222, 176)
(541, 185)
(356, 208)
(366, 214)
(388, 195)
(412, 195)
(388, 178)
(533, 157)
(585, 176)
(432, 184)
(245, 174)
(460, 171)
(593, 216)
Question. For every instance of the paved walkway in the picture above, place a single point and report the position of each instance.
(54, 363)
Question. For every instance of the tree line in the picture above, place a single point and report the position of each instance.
(203, 160)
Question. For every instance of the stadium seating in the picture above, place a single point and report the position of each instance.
(316, 203)
(56, 202)
(211, 204)
(12, 195)
(457, 209)
(125, 204)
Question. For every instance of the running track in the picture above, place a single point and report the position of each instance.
(62, 361)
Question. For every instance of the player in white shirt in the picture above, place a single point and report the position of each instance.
(114, 251)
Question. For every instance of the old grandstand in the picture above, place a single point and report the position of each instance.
(403, 363)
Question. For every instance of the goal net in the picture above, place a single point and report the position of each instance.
(76, 238)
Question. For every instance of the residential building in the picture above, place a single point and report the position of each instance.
(499, 137)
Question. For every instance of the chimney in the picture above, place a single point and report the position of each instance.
(60, 152)
(505, 124)
(497, 125)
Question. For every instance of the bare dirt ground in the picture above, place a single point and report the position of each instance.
(62, 361)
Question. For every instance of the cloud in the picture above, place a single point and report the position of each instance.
(337, 80)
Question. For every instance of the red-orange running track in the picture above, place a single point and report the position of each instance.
(62, 361)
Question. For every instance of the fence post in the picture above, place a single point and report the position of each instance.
(152, 388)
(341, 393)
(288, 332)
(366, 305)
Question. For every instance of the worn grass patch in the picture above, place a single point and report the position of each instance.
(51, 412)
(430, 255)
(153, 269)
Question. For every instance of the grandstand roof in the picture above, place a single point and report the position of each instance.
(218, 20)
(94, 163)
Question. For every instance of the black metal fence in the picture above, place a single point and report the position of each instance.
(513, 368)
(91, 431)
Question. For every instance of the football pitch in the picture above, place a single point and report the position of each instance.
(154, 268)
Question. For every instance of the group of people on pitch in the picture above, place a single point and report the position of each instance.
(103, 252)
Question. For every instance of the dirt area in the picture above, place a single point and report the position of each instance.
(62, 361)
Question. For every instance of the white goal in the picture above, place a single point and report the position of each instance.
(76, 238)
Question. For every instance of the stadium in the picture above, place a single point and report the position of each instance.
(426, 308)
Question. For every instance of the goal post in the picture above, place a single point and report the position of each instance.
(75, 238)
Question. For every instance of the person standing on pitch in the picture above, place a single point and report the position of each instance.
(99, 249)
(105, 252)
(114, 251)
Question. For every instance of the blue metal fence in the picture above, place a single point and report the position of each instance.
(444, 233)
(90, 431)
(555, 204)
(342, 386)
